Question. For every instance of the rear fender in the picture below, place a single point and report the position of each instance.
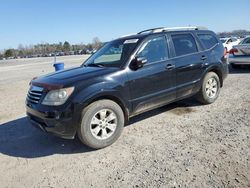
(214, 68)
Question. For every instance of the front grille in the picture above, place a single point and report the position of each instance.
(34, 94)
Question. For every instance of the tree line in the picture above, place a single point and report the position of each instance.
(236, 33)
(46, 49)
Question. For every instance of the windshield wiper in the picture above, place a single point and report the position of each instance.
(94, 65)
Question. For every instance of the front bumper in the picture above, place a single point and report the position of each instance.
(62, 123)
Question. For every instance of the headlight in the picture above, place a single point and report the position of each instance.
(57, 97)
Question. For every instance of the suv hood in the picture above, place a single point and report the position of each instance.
(71, 76)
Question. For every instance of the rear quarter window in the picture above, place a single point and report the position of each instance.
(246, 41)
(208, 40)
(184, 44)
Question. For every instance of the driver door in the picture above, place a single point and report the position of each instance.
(153, 84)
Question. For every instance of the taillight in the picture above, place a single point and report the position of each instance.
(225, 53)
(233, 50)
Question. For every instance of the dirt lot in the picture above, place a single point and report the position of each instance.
(180, 145)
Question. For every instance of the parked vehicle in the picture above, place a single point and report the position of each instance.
(228, 43)
(240, 54)
(60, 54)
(126, 77)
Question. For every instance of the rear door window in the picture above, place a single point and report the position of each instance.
(184, 44)
(208, 40)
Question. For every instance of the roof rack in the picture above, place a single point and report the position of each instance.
(162, 29)
(151, 30)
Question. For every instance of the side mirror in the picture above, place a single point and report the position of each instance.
(138, 62)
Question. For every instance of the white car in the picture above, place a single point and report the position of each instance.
(240, 54)
(229, 42)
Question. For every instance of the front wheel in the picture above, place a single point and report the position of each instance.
(210, 88)
(102, 124)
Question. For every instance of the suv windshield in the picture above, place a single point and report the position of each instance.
(113, 54)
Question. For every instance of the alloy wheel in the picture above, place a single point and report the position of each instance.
(103, 124)
(211, 87)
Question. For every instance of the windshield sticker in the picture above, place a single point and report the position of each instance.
(131, 41)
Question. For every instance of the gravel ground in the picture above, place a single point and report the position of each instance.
(183, 144)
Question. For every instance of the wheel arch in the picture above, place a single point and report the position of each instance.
(216, 70)
(111, 97)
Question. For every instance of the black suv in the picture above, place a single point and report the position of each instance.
(126, 77)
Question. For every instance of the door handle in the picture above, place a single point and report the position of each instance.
(170, 66)
(203, 57)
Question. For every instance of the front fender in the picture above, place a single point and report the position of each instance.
(114, 91)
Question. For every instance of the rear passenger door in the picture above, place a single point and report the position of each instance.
(189, 61)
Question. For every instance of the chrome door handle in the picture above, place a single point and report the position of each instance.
(203, 57)
(170, 66)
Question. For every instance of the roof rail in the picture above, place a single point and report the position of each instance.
(151, 30)
(184, 28)
(162, 29)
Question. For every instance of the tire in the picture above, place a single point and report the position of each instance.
(102, 124)
(210, 88)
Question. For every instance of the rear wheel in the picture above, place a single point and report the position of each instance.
(210, 88)
(102, 124)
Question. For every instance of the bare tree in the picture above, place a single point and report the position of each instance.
(96, 44)
(9, 53)
(66, 46)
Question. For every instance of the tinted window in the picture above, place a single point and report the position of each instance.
(154, 50)
(207, 40)
(184, 44)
